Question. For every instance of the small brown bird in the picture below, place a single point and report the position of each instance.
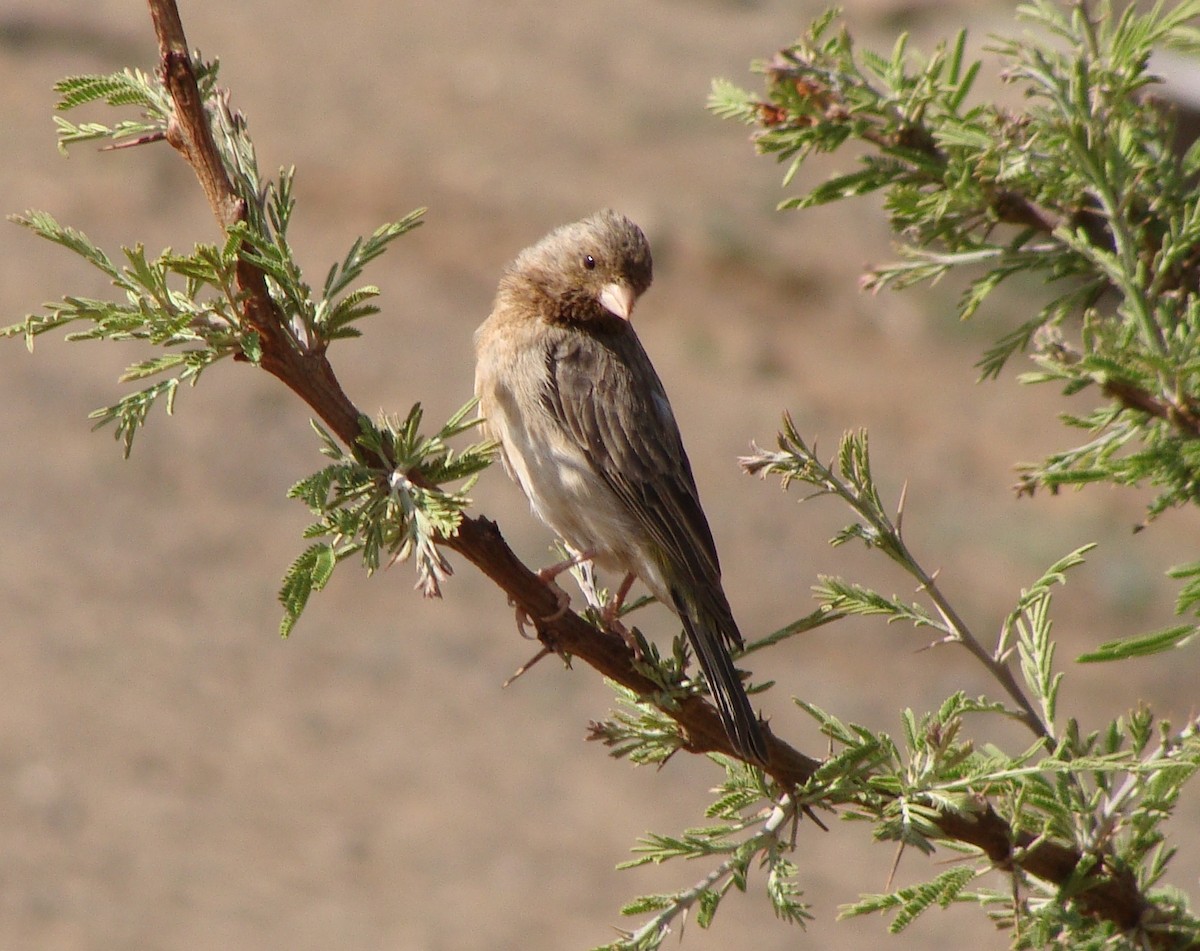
(586, 431)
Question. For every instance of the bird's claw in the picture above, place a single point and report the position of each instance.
(546, 576)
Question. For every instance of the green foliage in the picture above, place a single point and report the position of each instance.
(184, 304)
(639, 730)
(315, 322)
(801, 625)
(382, 498)
(1141, 646)
(1155, 642)
(399, 512)
(193, 305)
(908, 903)
(746, 834)
(1082, 190)
(1086, 193)
(130, 87)
(1107, 792)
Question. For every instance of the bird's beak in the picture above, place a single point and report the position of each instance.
(617, 299)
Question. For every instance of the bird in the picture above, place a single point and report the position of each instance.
(585, 429)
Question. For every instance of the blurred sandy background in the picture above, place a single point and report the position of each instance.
(173, 775)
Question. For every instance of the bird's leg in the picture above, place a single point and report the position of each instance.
(611, 612)
(612, 608)
(546, 576)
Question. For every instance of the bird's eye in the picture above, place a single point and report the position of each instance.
(589, 262)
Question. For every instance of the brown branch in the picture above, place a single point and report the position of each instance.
(1112, 895)
(1015, 209)
(191, 132)
(1183, 418)
(307, 372)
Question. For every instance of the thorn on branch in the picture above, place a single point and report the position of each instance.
(520, 671)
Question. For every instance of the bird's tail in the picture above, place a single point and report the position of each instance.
(708, 637)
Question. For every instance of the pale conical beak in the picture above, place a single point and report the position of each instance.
(618, 300)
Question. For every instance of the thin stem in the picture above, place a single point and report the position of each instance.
(996, 666)
(764, 839)
(866, 503)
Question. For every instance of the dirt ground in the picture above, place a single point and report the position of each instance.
(173, 775)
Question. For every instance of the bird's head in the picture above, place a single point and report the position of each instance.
(592, 271)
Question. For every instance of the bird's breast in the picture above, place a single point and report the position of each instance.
(562, 485)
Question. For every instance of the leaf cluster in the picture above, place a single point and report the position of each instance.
(193, 306)
(745, 832)
(1082, 192)
(185, 305)
(383, 498)
(129, 87)
(396, 512)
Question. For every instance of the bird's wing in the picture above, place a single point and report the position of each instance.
(604, 392)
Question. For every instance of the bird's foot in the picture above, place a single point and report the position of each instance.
(547, 576)
(550, 572)
(610, 622)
